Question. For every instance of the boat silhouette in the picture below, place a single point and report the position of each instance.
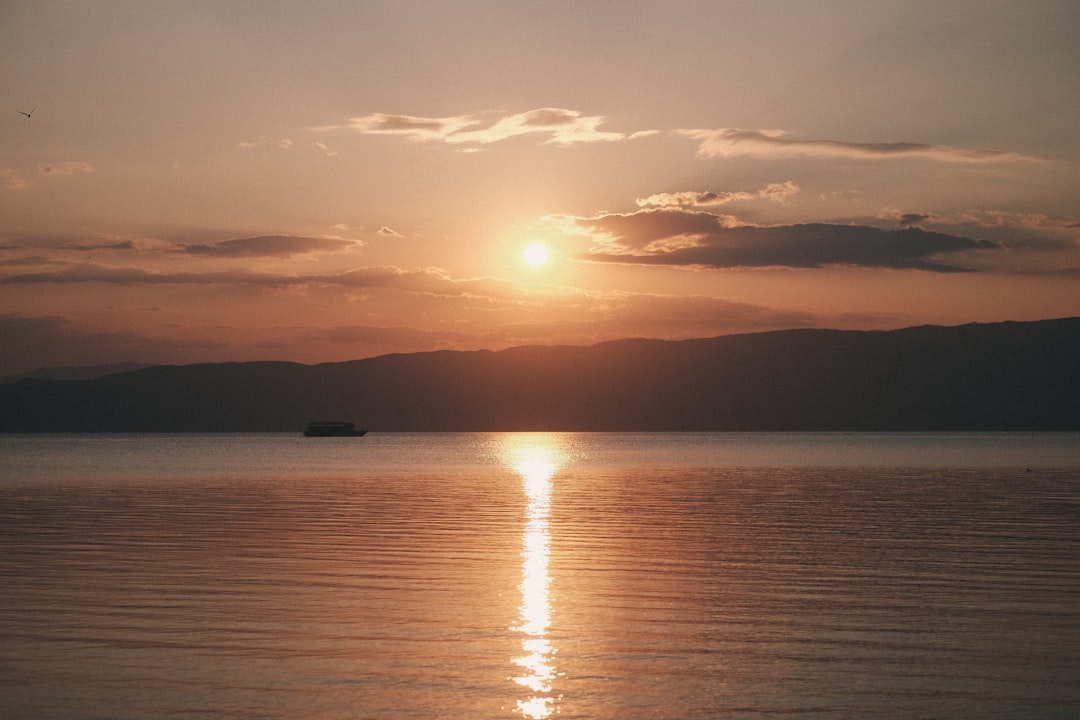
(332, 428)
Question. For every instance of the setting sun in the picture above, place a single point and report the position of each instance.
(384, 215)
(536, 255)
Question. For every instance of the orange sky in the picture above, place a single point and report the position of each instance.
(334, 180)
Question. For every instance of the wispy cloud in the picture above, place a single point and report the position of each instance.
(88, 273)
(561, 126)
(1002, 219)
(27, 261)
(283, 143)
(558, 126)
(730, 142)
(427, 281)
(105, 245)
(776, 192)
(13, 180)
(688, 238)
(693, 315)
(418, 129)
(64, 169)
(267, 246)
(1018, 231)
(10, 179)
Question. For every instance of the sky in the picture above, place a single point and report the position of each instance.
(327, 181)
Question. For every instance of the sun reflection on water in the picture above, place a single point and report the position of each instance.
(536, 458)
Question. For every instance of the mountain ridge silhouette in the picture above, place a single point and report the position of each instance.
(993, 376)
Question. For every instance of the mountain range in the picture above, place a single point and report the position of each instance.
(996, 376)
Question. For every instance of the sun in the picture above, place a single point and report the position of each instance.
(536, 255)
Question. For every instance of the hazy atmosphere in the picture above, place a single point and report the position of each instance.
(212, 181)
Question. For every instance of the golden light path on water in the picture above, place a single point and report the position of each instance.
(536, 458)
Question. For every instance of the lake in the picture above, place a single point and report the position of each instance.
(803, 575)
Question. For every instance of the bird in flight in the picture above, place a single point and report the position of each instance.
(29, 113)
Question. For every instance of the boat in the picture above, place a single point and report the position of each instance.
(332, 428)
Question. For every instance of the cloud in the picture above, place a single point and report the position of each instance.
(26, 261)
(64, 169)
(1017, 231)
(563, 127)
(87, 273)
(388, 232)
(12, 180)
(282, 143)
(777, 192)
(730, 142)
(583, 317)
(906, 220)
(558, 125)
(418, 129)
(427, 281)
(118, 245)
(1002, 219)
(58, 246)
(968, 218)
(267, 246)
(686, 238)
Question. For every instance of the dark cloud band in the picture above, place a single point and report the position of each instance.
(672, 237)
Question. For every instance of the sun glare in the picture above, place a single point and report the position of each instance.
(536, 255)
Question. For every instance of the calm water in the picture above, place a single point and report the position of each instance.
(533, 576)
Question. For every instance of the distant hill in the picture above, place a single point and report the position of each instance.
(1000, 376)
(89, 372)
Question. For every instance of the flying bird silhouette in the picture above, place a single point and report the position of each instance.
(29, 113)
